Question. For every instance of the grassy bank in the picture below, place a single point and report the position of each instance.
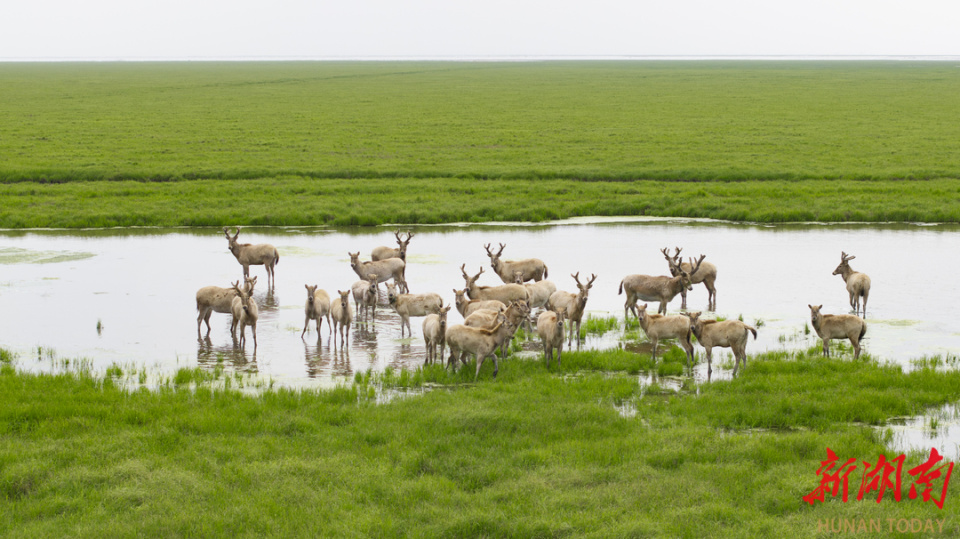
(304, 201)
(532, 453)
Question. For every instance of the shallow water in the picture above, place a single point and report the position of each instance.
(139, 286)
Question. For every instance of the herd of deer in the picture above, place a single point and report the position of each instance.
(492, 314)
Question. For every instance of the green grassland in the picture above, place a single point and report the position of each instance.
(313, 142)
(536, 452)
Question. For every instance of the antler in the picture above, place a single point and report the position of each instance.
(576, 277)
(463, 270)
(500, 252)
(844, 257)
(697, 266)
(489, 253)
(593, 277)
(409, 235)
(397, 235)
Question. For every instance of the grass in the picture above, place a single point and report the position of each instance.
(532, 453)
(342, 143)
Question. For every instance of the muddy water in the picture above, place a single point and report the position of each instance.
(138, 286)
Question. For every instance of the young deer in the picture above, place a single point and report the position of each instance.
(466, 306)
(661, 288)
(725, 334)
(837, 326)
(214, 299)
(858, 284)
(434, 333)
(550, 329)
(245, 313)
(572, 304)
(365, 295)
(532, 269)
(707, 274)
(316, 308)
(342, 313)
(383, 253)
(253, 255)
(658, 326)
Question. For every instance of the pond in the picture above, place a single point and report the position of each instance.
(127, 296)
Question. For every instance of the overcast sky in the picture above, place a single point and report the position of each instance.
(197, 29)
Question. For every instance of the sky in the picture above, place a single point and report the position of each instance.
(244, 29)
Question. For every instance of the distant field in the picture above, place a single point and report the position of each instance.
(293, 124)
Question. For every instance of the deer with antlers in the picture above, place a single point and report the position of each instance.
(660, 288)
(504, 293)
(858, 284)
(262, 254)
(532, 269)
(573, 304)
(391, 268)
(383, 252)
(706, 275)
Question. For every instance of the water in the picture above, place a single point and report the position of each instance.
(139, 285)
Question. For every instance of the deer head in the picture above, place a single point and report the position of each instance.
(844, 266)
(232, 240)
(310, 291)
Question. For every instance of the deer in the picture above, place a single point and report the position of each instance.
(365, 295)
(539, 291)
(480, 342)
(837, 326)
(245, 313)
(661, 288)
(262, 254)
(572, 304)
(858, 284)
(504, 293)
(408, 305)
(434, 333)
(466, 306)
(342, 313)
(214, 299)
(550, 329)
(707, 275)
(725, 334)
(533, 269)
(316, 308)
(391, 268)
(383, 253)
(658, 326)
(515, 313)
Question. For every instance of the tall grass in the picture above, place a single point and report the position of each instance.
(535, 452)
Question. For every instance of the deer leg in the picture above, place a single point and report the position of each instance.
(855, 341)
(826, 348)
(866, 294)
(653, 349)
(683, 300)
(559, 351)
(709, 361)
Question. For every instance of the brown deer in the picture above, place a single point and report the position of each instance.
(365, 295)
(837, 326)
(245, 313)
(516, 313)
(383, 253)
(434, 333)
(661, 288)
(247, 255)
(551, 331)
(342, 313)
(391, 268)
(466, 306)
(408, 305)
(532, 269)
(658, 326)
(572, 304)
(480, 342)
(707, 274)
(858, 284)
(725, 334)
(540, 291)
(215, 299)
(504, 293)
(317, 308)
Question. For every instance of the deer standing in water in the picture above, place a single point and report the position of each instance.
(262, 254)
(707, 274)
(837, 326)
(858, 284)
